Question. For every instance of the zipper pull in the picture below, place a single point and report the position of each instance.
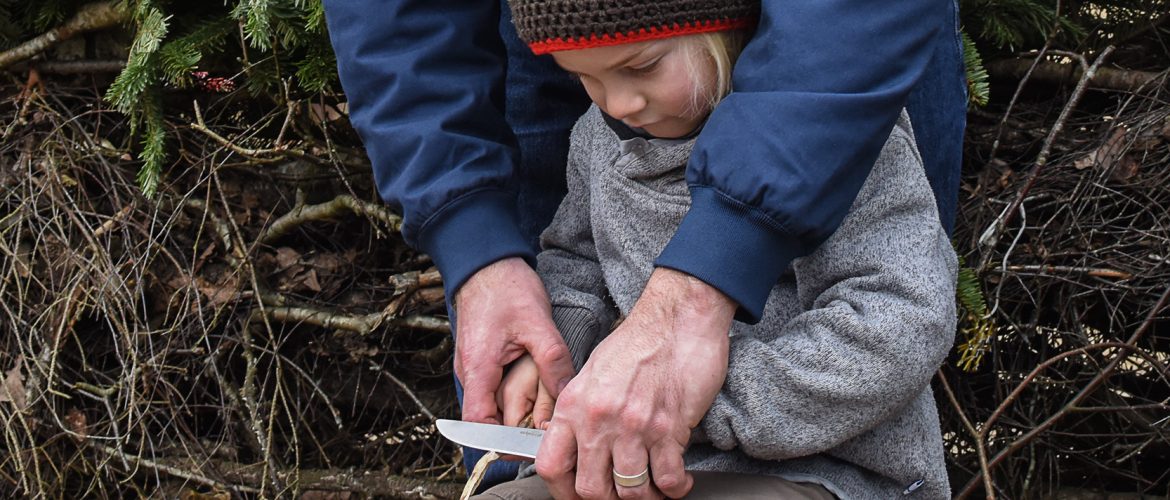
(913, 487)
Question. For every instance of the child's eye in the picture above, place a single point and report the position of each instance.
(645, 68)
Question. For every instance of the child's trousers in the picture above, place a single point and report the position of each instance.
(708, 486)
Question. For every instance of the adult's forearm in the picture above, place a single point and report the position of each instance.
(424, 80)
(782, 158)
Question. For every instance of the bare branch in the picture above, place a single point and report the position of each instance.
(92, 17)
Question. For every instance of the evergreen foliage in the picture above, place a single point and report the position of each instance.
(254, 44)
(975, 325)
(264, 43)
(978, 88)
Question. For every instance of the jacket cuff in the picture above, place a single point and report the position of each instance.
(732, 247)
(471, 232)
(579, 329)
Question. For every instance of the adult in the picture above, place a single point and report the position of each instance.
(467, 131)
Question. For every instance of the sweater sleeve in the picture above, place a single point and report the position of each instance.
(424, 81)
(568, 264)
(826, 79)
(878, 317)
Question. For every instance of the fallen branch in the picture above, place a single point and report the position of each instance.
(79, 67)
(92, 17)
(1058, 73)
(247, 478)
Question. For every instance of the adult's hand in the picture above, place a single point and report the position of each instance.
(502, 311)
(642, 391)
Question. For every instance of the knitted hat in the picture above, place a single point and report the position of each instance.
(552, 25)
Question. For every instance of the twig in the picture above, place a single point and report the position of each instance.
(1049, 269)
(301, 214)
(174, 470)
(1000, 224)
(1024, 81)
(1128, 346)
(92, 17)
(976, 436)
(422, 407)
(326, 319)
(419, 322)
(71, 67)
(273, 154)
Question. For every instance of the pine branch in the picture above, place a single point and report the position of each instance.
(978, 89)
(92, 17)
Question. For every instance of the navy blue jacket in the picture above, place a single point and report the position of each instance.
(425, 83)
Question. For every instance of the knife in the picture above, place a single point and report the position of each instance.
(519, 441)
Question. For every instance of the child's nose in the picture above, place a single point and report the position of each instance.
(623, 104)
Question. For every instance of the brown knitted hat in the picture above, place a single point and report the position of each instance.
(552, 25)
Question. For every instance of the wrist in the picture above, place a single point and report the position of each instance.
(699, 308)
(492, 275)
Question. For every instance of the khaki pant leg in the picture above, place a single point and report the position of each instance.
(529, 488)
(717, 485)
(708, 486)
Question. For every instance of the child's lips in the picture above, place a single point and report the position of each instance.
(640, 125)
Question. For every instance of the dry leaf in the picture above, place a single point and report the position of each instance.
(309, 280)
(12, 390)
(327, 261)
(76, 421)
(286, 257)
(1108, 153)
(324, 112)
(219, 293)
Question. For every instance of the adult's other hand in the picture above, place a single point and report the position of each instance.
(642, 391)
(503, 311)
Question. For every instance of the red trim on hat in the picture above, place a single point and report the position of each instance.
(643, 34)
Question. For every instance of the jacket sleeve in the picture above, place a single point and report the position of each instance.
(568, 264)
(878, 318)
(424, 81)
(826, 79)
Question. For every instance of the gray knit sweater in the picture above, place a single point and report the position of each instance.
(832, 385)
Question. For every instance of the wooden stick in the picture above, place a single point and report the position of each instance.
(92, 17)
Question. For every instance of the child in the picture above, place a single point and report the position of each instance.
(831, 387)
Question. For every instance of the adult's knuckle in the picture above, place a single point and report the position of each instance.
(556, 352)
(636, 417)
(549, 471)
(597, 411)
(668, 481)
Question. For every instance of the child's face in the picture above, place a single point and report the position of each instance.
(660, 86)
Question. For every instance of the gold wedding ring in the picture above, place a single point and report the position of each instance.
(633, 481)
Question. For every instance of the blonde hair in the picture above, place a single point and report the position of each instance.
(723, 48)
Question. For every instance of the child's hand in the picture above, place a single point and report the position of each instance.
(521, 394)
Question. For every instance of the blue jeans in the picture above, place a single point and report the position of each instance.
(543, 102)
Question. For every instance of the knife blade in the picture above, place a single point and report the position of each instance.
(519, 441)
